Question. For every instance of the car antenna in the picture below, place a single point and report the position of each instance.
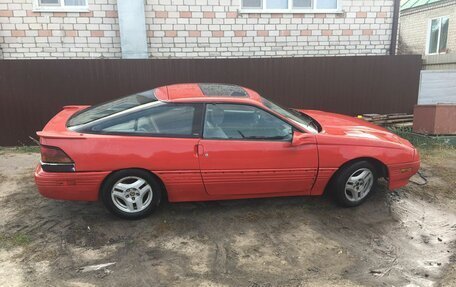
(35, 140)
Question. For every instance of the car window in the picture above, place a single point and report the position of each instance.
(243, 122)
(160, 120)
(110, 108)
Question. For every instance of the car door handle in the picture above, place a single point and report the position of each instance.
(200, 150)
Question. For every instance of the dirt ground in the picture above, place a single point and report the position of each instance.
(401, 238)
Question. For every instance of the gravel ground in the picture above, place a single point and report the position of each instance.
(403, 238)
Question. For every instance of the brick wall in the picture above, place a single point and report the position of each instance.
(28, 34)
(196, 29)
(214, 28)
(415, 24)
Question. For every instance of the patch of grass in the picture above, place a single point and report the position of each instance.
(14, 240)
(439, 167)
(20, 149)
(422, 141)
(438, 155)
(438, 158)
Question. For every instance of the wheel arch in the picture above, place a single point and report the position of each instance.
(380, 168)
(156, 177)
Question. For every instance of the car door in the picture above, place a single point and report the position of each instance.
(247, 150)
(163, 139)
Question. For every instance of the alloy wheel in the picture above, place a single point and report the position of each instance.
(131, 194)
(359, 184)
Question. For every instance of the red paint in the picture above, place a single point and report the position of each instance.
(257, 167)
(69, 186)
(194, 169)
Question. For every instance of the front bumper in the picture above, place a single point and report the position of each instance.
(399, 174)
(82, 186)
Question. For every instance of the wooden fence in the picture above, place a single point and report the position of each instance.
(32, 91)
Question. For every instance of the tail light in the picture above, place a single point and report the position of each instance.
(54, 159)
(51, 154)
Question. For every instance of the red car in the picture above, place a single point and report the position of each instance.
(199, 142)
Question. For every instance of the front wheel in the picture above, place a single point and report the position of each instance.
(354, 183)
(131, 194)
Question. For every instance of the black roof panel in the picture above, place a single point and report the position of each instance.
(222, 90)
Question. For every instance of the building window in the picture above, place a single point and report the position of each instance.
(61, 5)
(290, 6)
(437, 35)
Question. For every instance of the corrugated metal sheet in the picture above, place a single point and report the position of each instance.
(32, 91)
(416, 3)
(437, 87)
(439, 62)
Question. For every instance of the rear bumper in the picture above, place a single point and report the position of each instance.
(83, 186)
(399, 174)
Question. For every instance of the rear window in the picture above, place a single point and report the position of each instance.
(110, 108)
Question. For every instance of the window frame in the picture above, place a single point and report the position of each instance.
(196, 124)
(203, 121)
(428, 36)
(290, 9)
(61, 7)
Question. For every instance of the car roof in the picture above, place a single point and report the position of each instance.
(205, 92)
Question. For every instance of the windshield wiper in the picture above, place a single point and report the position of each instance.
(242, 135)
(302, 115)
(309, 119)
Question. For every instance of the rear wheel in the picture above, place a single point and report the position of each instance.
(354, 183)
(131, 193)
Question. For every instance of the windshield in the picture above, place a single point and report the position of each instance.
(109, 108)
(296, 117)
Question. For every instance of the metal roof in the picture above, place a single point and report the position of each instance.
(408, 4)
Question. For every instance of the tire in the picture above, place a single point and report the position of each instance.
(131, 193)
(355, 183)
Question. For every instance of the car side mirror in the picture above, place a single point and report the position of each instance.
(300, 138)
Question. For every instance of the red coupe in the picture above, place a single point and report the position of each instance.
(198, 142)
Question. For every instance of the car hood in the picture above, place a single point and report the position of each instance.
(342, 125)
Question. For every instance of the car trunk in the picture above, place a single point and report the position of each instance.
(56, 127)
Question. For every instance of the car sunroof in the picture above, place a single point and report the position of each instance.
(222, 90)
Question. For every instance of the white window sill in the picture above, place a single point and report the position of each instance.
(291, 11)
(61, 9)
(435, 54)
